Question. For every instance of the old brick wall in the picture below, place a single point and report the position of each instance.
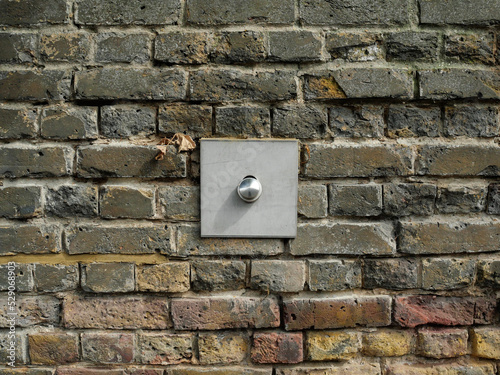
(396, 265)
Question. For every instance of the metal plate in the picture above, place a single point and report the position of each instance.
(224, 163)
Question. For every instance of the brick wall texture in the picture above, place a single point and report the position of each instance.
(395, 269)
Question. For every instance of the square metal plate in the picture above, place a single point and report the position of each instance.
(224, 163)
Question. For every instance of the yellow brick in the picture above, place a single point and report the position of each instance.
(332, 345)
(486, 343)
(388, 343)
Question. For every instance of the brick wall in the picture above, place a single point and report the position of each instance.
(396, 265)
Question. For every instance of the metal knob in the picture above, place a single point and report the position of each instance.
(249, 189)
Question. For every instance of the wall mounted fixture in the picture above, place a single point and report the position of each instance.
(249, 188)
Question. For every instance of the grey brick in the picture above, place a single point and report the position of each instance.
(472, 121)
(354, 12)
(242, 121)
(21, 13)
(123, 121)
(65, 47)
(300, 121)
(357, 122)
(36, 86)
(180, 202)
(108, 277)
(477, 48)
(65, 122)
(24, 277)
(32, 311)
(99, 347)
(330, 238)
(450, 237)
(18, 48)
(226, 12)
(488, 273)
(278, 275)
(359, 83)
(20, 202)
(390, 274)
(189, 243)
(333, 275)
(313, 201)
(5, 344)
(30, 239)
(172, 277)
(194, 120)
(129, 161)
(217, 85)
(409, 199)
(332, 160)
(213, 275)
(106, 239)
(41, 161)
(131, 84)
(72, 200)
(294, 46)
(56, 278)
(412, 46)
(460, 199)
(459, 84)
(494, 199)
(127, 202)
(409, 121)
(238, 47)
(163, 349)
(449, 160)
(355, 47)
(121, 47)
(124, 12)
(355, 200)
(182, 47)
(460, 12)
(18, 122)
(447, 274)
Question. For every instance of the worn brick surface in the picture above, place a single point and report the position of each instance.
(64, 122)
(278, 275)
(452, 368)
(45, 161)
(108, 347)
(461, 199)
(355, 200)
(53, 348)
(486, 342)
(122, 12)
(409, 199)
(332, 345)
(182, 48)
(99, 239)
(363, 239)
(439, 274)
(18, 48)
(476, 48)
(342, 312)
(237, 47)
(412, 46)
(166, 349)
(18, 122)
(313, 201)
(329, 160)
(448, 237)
(71, 201)
(223, 347)
(388, 343)
(108, 277)
(55, 278)
(66, 47)
(471, 121)
(410, 121)
(122, 47)
(31, 311)
(23, 277)
(354, 46)
(277, 348)
(295, 46)
(129, 161)
(300, 121)
(225, 312)
(20, 202)
(127, 121)
(442, 343)
(488, 273)
(334, 275)
(357, 122)
(19, 349)
(20, 13)
(130, 312)
(494, 199)
(238, 121)
(218, 275)
(390, 274)
(34, 85)
(30, 239)
(219, 371)
(167, 277)
(459, 12)
(127, 202)
(334, 369)
(195, 120)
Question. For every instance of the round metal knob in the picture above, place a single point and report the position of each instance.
(249, 189)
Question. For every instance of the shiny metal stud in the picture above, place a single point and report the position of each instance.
(249, 189)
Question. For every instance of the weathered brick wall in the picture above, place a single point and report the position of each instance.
(396, 265)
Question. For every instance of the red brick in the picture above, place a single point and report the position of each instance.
(337, 312)
(225, 312)
(277, 347)
(116, 312)
(88, 371)
(450, 311)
